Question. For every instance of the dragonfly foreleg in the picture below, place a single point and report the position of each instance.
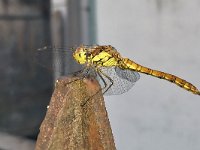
(81, 74)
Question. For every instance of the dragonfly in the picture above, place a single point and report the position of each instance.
(115, 73)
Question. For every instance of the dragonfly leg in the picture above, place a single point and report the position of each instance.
(81, 74)
(104, 82)
(106, 87)
(77, 72)
(105, 75)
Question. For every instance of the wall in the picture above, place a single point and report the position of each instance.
(24, 88)
(163, 35)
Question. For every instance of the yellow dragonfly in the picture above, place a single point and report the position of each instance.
(115, 73)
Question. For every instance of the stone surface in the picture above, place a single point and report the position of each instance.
(76, 118)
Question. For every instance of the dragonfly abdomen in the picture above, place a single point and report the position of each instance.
(129, 64)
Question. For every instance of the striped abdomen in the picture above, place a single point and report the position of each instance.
(129, 64)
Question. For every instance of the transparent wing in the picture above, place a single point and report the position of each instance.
(123, 80)
(128, 75)
(57, 59)
(61, 60)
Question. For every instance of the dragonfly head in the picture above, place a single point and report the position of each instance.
(80, 54)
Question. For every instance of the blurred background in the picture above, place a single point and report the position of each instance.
(163, 35)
